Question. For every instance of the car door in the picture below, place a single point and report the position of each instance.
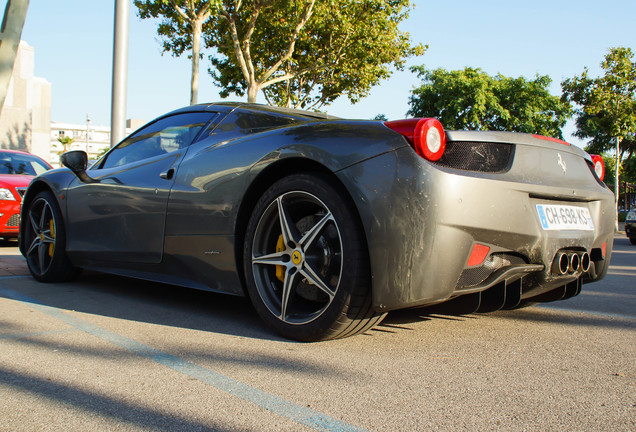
(121, 215)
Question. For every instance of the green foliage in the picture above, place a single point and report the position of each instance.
(381, 117)
(626, 173)
(472, 99)
(66, 142)
(175, 29)
(606, 106)
(307, 53)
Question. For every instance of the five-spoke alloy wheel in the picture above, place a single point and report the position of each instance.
(306, 261)
(44, 241)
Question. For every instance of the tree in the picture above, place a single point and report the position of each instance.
(606, 106)
(181, 29)
(472, 99)
(66, 142)
(305, 54)
(606, 110)
(10, 33)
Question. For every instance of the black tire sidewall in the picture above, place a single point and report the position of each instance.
(354, 277)
(60, 268)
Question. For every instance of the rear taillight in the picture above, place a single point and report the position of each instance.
(426, 135)
(599, 166)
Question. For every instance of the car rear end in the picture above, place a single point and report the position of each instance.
(535, 204)
(630, 226)
(499, 218)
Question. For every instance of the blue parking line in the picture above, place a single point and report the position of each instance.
(25, 335)
(275, 404)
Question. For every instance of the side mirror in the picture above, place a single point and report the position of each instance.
(77, 161)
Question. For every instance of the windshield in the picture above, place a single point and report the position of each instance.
(19, 163)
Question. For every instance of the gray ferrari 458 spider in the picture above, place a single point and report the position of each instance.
(326, 224)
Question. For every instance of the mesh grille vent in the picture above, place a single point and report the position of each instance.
(476, 275)
(14, 220)
(477, 156)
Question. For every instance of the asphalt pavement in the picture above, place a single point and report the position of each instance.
(116, 354)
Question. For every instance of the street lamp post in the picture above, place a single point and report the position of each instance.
(88, 125)
(120, 70)
(616, 187)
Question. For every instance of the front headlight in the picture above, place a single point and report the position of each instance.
(5, 194)
(631, 216)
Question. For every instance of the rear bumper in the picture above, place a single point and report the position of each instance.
(422, 222)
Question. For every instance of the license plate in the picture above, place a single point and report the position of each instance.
(561, 217)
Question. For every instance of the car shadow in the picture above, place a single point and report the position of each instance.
(149, 302)
(8, 242)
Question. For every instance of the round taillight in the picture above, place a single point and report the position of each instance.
(429, 139)
(426, 135)
(599, 166)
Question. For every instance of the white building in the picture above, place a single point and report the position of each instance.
(25, 119)
(94, 140)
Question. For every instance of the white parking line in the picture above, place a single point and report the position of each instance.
(275, 404)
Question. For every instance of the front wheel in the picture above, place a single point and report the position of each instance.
(306, 261)
(632, 240)
(45, 241)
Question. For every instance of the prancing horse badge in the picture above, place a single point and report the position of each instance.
(563, 165)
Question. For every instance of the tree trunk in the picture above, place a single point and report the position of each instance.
(11, 31)
(196, 53)
(252, 92)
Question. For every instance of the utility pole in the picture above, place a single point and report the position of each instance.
(616, 185)
(88, 125)
(120, 72)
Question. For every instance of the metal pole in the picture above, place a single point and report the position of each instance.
(88, 124)
(616, 187)
(120, 69)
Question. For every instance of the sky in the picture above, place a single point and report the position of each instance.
(73, 42)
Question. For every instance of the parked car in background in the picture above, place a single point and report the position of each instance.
(17, 169)
(327, 224)
(630, 226)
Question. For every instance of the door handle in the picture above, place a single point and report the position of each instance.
(167, 175)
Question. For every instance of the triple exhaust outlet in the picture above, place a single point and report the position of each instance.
(570, 262)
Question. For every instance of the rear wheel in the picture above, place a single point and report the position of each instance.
(306, 262)
(45, 241)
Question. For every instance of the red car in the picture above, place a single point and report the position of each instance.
(17, 169)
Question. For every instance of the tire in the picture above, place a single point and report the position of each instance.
(45, 241)
(632, 240)
(307, 272)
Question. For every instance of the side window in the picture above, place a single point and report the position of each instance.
(240, 123)
(163, 136)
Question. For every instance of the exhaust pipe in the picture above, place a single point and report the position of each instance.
(574, 262)
(585, 262)
(561, 263)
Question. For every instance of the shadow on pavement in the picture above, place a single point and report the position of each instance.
(100, 405)
(149, 302)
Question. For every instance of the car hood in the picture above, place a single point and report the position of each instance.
(15, 180)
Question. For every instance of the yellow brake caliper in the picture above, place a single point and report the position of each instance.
(52, 245)
(280, 270)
